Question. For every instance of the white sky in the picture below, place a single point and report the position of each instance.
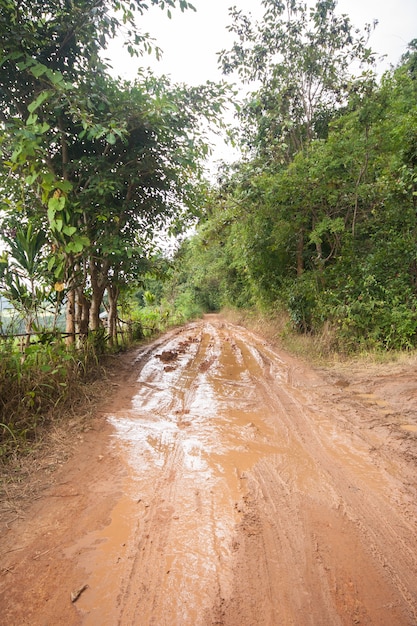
(191, 40)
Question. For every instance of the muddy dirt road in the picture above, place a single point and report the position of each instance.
(226, 483)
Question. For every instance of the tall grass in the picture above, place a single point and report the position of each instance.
(37, 386)
(154, 319)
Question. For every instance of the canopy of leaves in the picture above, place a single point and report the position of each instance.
(98, 165)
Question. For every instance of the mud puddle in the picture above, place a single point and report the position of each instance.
(196, 426)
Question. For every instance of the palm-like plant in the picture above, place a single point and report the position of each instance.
(22, 272)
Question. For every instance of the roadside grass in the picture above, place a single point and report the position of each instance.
(37, 386)
(322, 349)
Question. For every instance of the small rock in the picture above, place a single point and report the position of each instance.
(76, 594)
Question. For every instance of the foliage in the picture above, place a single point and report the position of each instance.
(300, 60)
(36, 389)
(98, 165)
(329, 235)
(22, 270)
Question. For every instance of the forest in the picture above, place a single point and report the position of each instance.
(315, 223)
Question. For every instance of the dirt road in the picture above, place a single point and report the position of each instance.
(227, 483)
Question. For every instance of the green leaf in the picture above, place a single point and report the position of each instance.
(38, 70)
(29, 180)
(69, 230)
(44, 95)
(77, 244)
(55, 204)
(56, 78)
(32, 119)
(83, 240)
(63, 185)
(59, 270)
(16, 154)
(73, 246)
(51, 214)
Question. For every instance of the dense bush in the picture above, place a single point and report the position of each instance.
(330, 235)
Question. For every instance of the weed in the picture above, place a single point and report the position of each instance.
(31, 389)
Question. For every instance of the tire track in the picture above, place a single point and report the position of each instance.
(239, 489)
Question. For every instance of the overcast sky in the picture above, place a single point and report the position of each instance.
(190, 40)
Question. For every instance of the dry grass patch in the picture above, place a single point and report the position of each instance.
(321, 349)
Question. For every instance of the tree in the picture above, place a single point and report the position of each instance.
(99, 161)
(331, 235)
(300, 62)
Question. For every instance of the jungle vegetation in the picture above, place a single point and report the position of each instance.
(318, 219)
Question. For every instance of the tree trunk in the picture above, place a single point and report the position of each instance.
(113, 293)
(300, 251)
(83, 311)
(95, 310)
(98, 278)
(70, 317)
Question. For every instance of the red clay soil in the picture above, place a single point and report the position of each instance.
(227, 483)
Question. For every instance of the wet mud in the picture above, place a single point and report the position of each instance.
(226, 483)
